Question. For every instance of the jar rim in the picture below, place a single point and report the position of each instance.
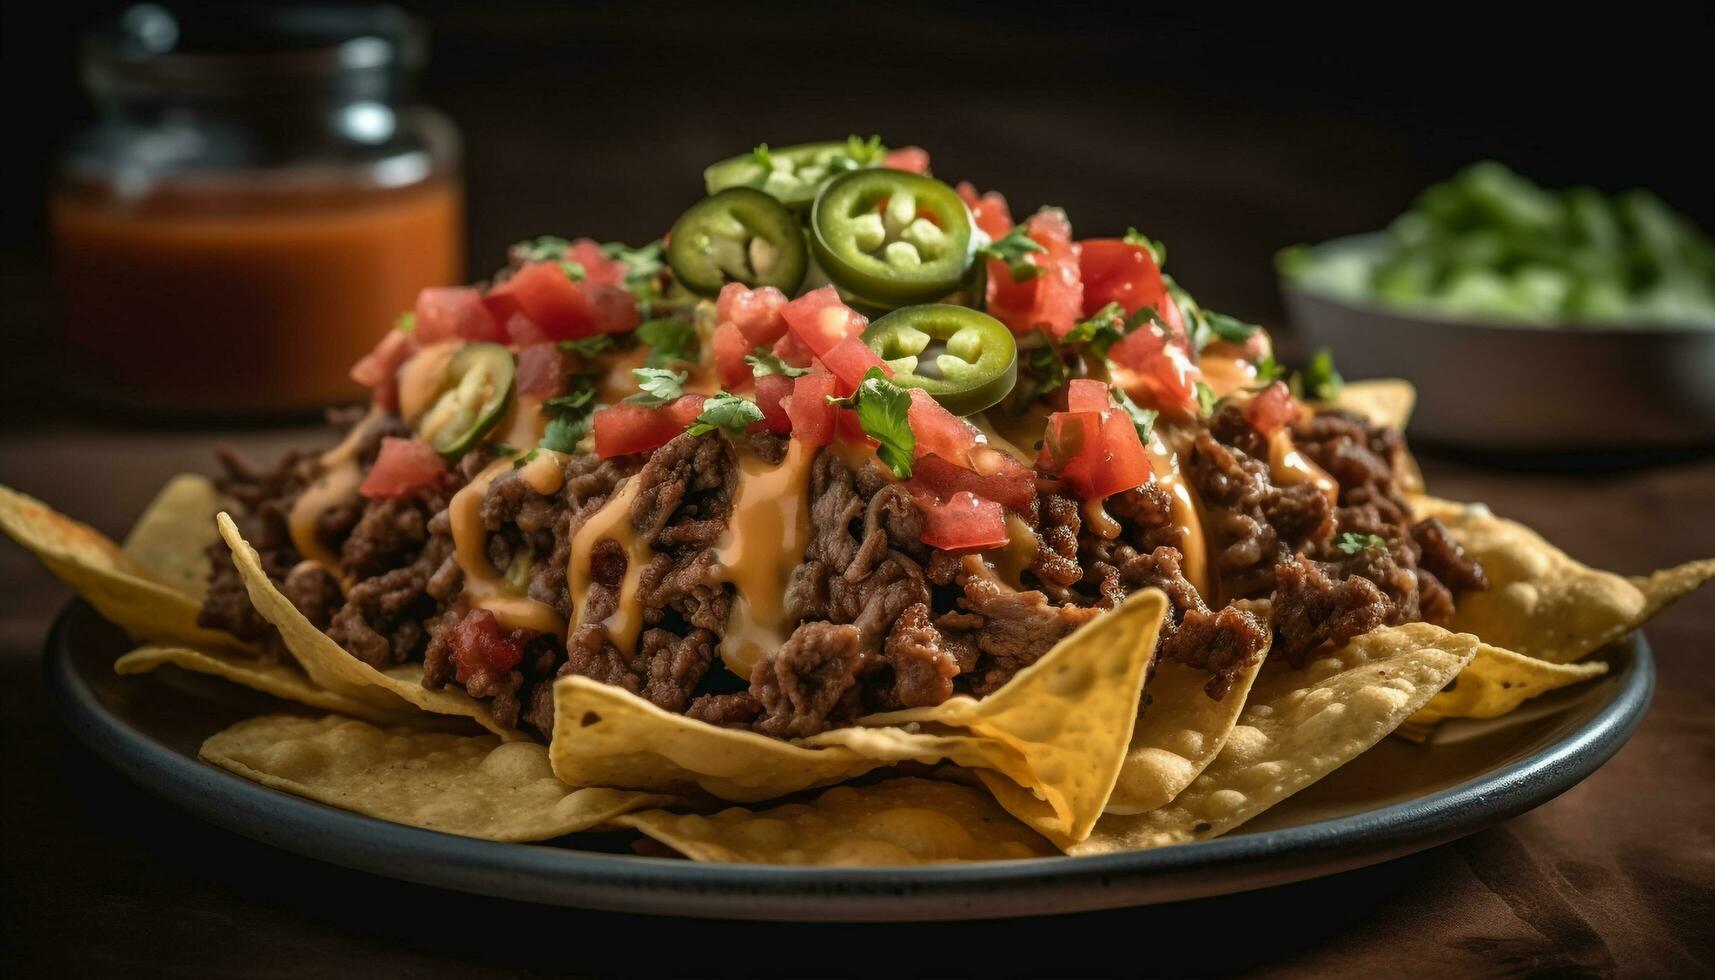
(149, 46)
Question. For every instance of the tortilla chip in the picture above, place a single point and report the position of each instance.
(172, 537)
(1542, 603)
(285, 681)
(1297, 726)
(894, 823)
(1496, 681)
(1384, 401)
(124, 591)
(330, 666)
(1060, 727)
(471, 785)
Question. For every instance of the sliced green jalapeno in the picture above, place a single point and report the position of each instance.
(793, 174)
(478, 391)
(738, 235)
(891, 237)
(967, 360)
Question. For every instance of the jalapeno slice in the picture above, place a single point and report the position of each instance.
(738, 235)
(478, 391)
(891, 237)
(967, 360)
(793, 174)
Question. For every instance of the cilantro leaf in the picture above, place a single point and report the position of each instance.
(1268, 371)
(406, 323)
(1206, 399)
(1230, 329)
(1352, 543)
(1012, 248)
(573, 270)
(1041, 370)
(659, 385)
(726, 411)
(577, 400)
(1107, 327)
(864, 152)
(502, 449)
(763, 363)
(884, 412)
(527, 457)
(1319, 380)
(543, 248)
(564, 432)
(1157, 250)
(669, 341)
(641, 264)
(1142, 418)
(587, 346)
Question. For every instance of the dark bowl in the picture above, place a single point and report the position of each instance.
(1496, 386)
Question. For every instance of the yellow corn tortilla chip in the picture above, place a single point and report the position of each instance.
(893, 823)
(1496, 681)
(1384, 401)
(285, 681)
(472, 785)
(1540, 602)
(1060, 727)
(172, 537)
(329, 666)
(124, 591)
(1296, 727)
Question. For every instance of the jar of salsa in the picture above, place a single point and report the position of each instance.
(260, 197)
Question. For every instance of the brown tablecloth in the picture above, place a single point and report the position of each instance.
(1615, 877)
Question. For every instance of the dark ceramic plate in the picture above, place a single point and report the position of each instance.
(1395, 799)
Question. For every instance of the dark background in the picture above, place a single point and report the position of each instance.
(1227, 133)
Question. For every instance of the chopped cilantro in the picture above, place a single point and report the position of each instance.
(527, 457)
(884, 412)
(573, 270)
(1012, 248)
(669, 341)
(543, 248)
(406, 323)
(1268, 371)
(577, 400)
(659, 385)
(1230, 329)
(864, 152)
(641, 264)
(1206, 399)
(1157, 250)
(1142, 418)
(1320, 380)
(587, 346)
(726, 411)
(1041, 370)
(571, 416)
(1352, 543)
(763, 363)
(1107, 327)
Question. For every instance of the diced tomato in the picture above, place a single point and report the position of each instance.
(454, 313)
(380, 365)
(522, 332)
(1088, 395)
(599, 270)
(772, 390)
(627, 427)
(1157, 373)
(794, 351)
(1175, 320)
(850, 360)
(912, 158)
(1054, 299)
(808, 409)
(989, 211)
(541, 371)
(961, 522)
(1012, 483)
(731, 348)
(482, 651)
(1272, 408)
(939, 431)
(756, 312)
(403, 466)
(821, 320)
(1099, 453)
(1116, 272)
(563, 309)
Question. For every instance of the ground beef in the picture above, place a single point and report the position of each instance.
(1313, 607)
(1011, 630)
(1254, 523)
(1442, 557)
(811, 682)
(736, 710)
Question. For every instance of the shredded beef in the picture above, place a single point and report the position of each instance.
(922, 672)
(811, 683)
(1015, 630)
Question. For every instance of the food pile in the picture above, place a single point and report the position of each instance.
(850, 481)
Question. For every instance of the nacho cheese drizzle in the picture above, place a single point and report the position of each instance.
(337, 483)
(422, 380)
(484, 588)
(1164, 463)
(612, 521)
(763, 543)
(1289, 467)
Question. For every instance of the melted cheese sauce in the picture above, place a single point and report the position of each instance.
(484, 588)
(424, 378)
(337, 483)
(764, 542)
(1007, 565)
(1225, 368)
(523, 425)
(1097, 519)
(546, 474)
(1186, 514)
(611, 521)
(1289, 467)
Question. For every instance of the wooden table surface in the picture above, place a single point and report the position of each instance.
(1617, 876)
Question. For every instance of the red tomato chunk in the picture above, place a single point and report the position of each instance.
(403, 467)
(482, 651)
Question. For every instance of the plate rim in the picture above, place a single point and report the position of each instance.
(664, 886)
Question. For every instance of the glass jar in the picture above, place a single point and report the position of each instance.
(258, 200)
